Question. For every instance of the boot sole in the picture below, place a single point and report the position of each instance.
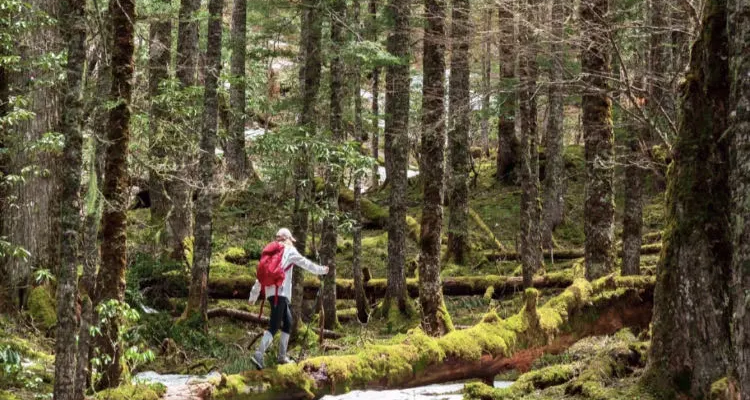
(256, 363)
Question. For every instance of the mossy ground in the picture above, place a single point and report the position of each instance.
(32, 377)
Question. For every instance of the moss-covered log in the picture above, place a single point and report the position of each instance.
(482, 351)
(566, 254)
(239, 287)
(255, 318)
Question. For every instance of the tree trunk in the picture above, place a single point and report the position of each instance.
(599, 204)
(111, 279)
(507, 143)
(74, 33)
(458, 134)
(397, 150)
(435, 319)
(690, 348)
(333, 177)
(375, 108)
(180, 223)
(197, 303)
(363, 308)
(739, 109)
(6, 296)
(31, 217)
(486, 76)
(554, 177)
(530, 241)
(237, 161)
(309, 87)
(633, 213)
(160, 47)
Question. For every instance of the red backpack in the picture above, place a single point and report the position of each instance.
(270, 271)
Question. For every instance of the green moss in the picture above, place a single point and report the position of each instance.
(720, 389)
(236, 255)
(133, 392)
(41, 305)
(7, 395)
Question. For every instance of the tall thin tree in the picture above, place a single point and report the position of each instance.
(435, 319)
(111, 278)
(397, 150)
(236, 155)
(197, 304)
(553, 207)
(530, 239)
(333, 176)
(458, 133)
(599, 207)
(375, 107)
(74, 32)
(507, 143)
(486, 38)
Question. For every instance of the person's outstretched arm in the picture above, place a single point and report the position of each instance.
(297, 259)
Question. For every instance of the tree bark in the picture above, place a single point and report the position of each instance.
(530, 240)
(435, 319)
(486, 81)
(333, 177)
(690, 348)
(458, 134)
(553, 207)
(739, 111)
(599, 139)
(111, 279)
(237, 161)
(363, 307)
(160, 47)
(74, 33)
(197, 303)
(375, 107)
(309, 87)
(180, 221)
(397, 149)
(633, 213)
(507, 143)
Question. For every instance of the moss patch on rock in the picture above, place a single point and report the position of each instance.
(41, 305)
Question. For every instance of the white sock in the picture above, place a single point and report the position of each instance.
(265, 342)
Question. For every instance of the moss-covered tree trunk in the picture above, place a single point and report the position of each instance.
(507, 143)
(690, 347)
(159, 58)
(333, 176)
(180, 218)
(310, 39)
(111, 278)
(432, 169)
(599, 207)
(73, 28)
(632, 222)
(397, 150)
(197, 303)
(739, 51)
(360, 134)
(553, 207)
(459, 124)
(238, 165)
(530, 240)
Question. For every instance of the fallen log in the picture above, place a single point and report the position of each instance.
(565, 254)
(239, 287)
(254, 318)
(480, 352)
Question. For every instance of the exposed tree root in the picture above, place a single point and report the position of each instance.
(481, 351)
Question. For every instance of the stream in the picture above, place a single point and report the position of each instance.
(190, 387)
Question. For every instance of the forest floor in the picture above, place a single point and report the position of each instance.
(246, 221)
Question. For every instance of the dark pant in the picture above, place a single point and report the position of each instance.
(280, 314)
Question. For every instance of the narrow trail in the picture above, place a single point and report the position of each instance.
(181, 387)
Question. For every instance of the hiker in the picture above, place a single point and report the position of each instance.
(275, 270)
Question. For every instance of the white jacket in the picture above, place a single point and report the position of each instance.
(291, 258)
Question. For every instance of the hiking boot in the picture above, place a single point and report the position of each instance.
(285, 360)
(257, 359)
